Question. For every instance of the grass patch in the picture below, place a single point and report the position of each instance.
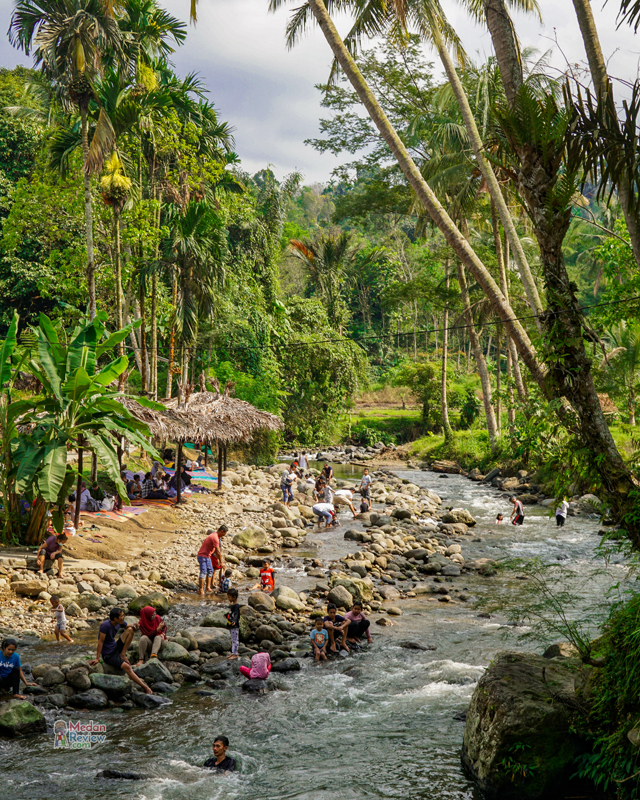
(469, 448)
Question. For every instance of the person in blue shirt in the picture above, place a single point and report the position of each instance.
(10, 670)
(319, 638)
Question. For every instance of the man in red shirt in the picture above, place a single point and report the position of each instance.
(210, 559)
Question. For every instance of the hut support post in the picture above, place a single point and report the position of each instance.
(76, 516)
(177, 466)
(225, 456)
(206, 452)
(219, 466)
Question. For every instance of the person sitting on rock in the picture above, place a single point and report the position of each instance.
(11, 670)
(153, 634)
(336, 625)
(327, 471)
(112, 651)
(51, 549)
(358, 624)
(267, 582)
(221, 762)
(260, 667)
(319, 638)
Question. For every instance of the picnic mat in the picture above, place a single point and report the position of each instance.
(148, 502)
(118, 516)
(197, 474)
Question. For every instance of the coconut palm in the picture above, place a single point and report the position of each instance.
(150, 32)
(70, 40)
(622, 362)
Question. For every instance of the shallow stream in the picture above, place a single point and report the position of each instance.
(381, 723)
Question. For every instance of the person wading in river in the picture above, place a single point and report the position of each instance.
(221, 762)
(517, 515)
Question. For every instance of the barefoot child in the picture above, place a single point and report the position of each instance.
(60, 617)
(319, 639)
(233, 621)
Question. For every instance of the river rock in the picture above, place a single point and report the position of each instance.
(528, 499)
(155, 599)
(114, 686)
(172, 651)
(389, 592)
(90, 601)
(269, 633)
(262, 599)
(149, 701)
(28, 588)
(287, 600)
(513, 702)
(561, 650)
(451, 571)
(340, 597)
(256, 686)
(394, 611)
(53, 677)
(211, 640)
(287, 665)
(125, 592)
(79, 679)
(153, 670)
(182, 672)
(459, 515)
(218, 619)
(40, 670)
(72, 609)
(251, 538)
(21, 718)
(360, 590)
(94, 700)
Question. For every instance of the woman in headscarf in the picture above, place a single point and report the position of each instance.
(153, 633)
(155, 468)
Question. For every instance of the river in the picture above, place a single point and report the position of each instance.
(382, 723)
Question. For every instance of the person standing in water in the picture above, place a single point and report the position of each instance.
(517, 515)
(221, 762)
(561, 512)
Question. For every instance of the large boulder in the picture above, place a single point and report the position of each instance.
(79, 679)
(211, 640)
(155, 599)
(125, 592)
(459, 515)
(149, 701)
(251, 538)
(341, 597)
(262, 599)
(154, 670)
(94, 700)
(218, 619)
(172, 651)
(92, 602)
(360, 590)
(114, 686)
(287, 599)
(287, 665)
(20, 718)
(28, 588)
(517, 740)
(53, 677)
(270, 633)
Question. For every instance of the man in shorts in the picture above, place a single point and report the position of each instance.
(210, 559)
(365, 488)
(51, 549)
(517, 515)
(111, 650)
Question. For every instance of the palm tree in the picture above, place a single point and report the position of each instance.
(148, 31)
(195, 253)
(624, 360)
(70, 40)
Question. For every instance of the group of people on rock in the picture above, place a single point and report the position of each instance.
(335, 631)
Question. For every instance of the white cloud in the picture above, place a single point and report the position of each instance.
(267, 92)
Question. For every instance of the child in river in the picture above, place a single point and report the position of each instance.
(319, 638)
(499, 519)
(60, 617)
(260, 667)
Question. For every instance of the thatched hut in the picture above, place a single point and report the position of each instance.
(609, 408)
(227, 419)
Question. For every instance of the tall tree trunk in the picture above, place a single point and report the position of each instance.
(569, 369)
(117, 250)
(632, 406)
(143, 337)
(37, 524)
(172, 338)
(497, 200)
(498, 377)
(94, 467)
(76, 517)
(128, 302)
(424, 192)
(511, 410)
(602, 83)
(154, 335)
(481, 364)
(88, 215)
(446, 426)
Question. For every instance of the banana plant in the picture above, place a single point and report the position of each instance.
(77, 409)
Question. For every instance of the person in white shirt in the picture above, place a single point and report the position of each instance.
(365, 487)
(303, 463)
(561, 512)
(324, 511)
(347, 496)
(517, 515)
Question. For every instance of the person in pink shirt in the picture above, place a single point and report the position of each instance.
(358, 624)
(210, 559)
(260, 667)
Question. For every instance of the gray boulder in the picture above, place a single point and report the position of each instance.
(53, 677)
(90, 601)
(125, 592)
(287, 665)
(270, 633)
(340, 597)
(79, 679)
(211, 640)
(94, 700)
(114, 686)
(262, 599)
(153, 670)
(155, 599)
(149, 701)
(517, 700)
(251, 538)
(459, 515)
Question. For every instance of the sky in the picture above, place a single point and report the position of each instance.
(267, 93)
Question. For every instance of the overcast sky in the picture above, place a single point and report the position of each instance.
(267, 92)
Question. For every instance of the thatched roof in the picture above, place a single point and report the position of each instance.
(226, 418)
(166, 424)
(607, 405)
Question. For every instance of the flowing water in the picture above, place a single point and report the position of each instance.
(382, 723)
